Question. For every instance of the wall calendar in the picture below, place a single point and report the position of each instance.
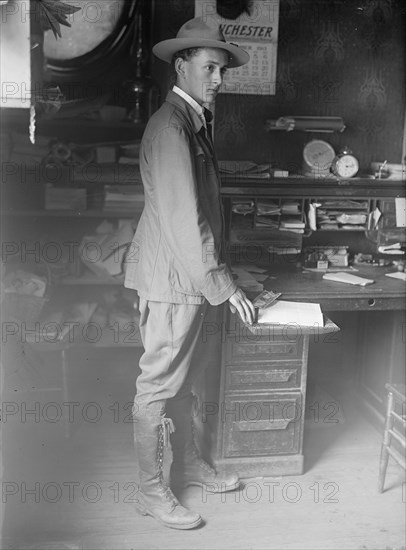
(257, 33)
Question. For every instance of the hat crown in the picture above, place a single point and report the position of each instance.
(198, 29)
(196, 33)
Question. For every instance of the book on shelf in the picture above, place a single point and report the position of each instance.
(284, 250)
(291, 229)
(267, 222)
(290, 207)
(292, 224)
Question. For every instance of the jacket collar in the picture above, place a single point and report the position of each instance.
(186, 108)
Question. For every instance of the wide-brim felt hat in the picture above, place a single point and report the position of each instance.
(196, 33)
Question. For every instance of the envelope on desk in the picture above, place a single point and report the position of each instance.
(344, 277)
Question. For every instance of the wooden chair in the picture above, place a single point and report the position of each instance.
(395, 424)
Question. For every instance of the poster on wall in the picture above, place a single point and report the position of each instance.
(257, 33)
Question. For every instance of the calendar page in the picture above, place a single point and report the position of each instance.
(257, 33)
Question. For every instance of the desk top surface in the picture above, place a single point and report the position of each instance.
(299, 285)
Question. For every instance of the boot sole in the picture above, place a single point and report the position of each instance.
(145, 512)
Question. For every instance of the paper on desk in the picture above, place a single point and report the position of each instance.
(345, 277)
(401, 275)
(304, 314)
(394, 249)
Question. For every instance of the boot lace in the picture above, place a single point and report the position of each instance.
(165, 429)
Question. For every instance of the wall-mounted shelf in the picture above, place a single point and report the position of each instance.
(95, 213)
(300, 186)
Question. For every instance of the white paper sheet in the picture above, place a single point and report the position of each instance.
(401, 275)
(304, 314)
(344, 277)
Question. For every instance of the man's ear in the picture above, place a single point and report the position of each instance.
(180, 67)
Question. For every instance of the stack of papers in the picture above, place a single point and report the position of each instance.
(244, 207)
(266, 208)
(244, 169)
(342, 214)
(266, 222)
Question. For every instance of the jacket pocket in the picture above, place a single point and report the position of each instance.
(180, 280)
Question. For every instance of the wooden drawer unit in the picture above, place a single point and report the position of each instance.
(262, 398)
(263, 376)
(268, 424)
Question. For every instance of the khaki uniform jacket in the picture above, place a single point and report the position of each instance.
(177, 254)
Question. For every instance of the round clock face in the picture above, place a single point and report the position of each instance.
(90, 26)
(346, 166)
(318, 156)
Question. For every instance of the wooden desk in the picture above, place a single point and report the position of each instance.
(299, 285)
(264, 372)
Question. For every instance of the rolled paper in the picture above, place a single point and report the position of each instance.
(307, 124)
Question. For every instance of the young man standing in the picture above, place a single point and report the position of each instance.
(177, 265)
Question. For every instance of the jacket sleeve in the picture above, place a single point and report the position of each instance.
(183, 224)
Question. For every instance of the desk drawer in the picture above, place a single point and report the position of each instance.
(264, 350)
(361, 304)
(269, 424)
(263, 376)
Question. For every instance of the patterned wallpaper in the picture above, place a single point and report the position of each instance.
(335, 58)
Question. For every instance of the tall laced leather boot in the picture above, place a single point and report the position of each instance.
(188, 468)
(154, 497)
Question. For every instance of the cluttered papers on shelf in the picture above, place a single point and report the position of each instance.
(244, 169)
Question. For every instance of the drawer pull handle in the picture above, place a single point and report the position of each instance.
(279, 376)
(371, 302)
(265, 349)
(262, 425)
(261, 377)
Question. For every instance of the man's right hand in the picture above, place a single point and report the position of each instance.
(238, 302)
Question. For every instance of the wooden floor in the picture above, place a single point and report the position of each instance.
(77, 493)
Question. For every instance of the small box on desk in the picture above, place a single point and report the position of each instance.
(321, 257)
(64, 198)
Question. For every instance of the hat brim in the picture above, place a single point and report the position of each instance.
(166, 49)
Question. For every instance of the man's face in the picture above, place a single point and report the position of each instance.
(202, 75)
